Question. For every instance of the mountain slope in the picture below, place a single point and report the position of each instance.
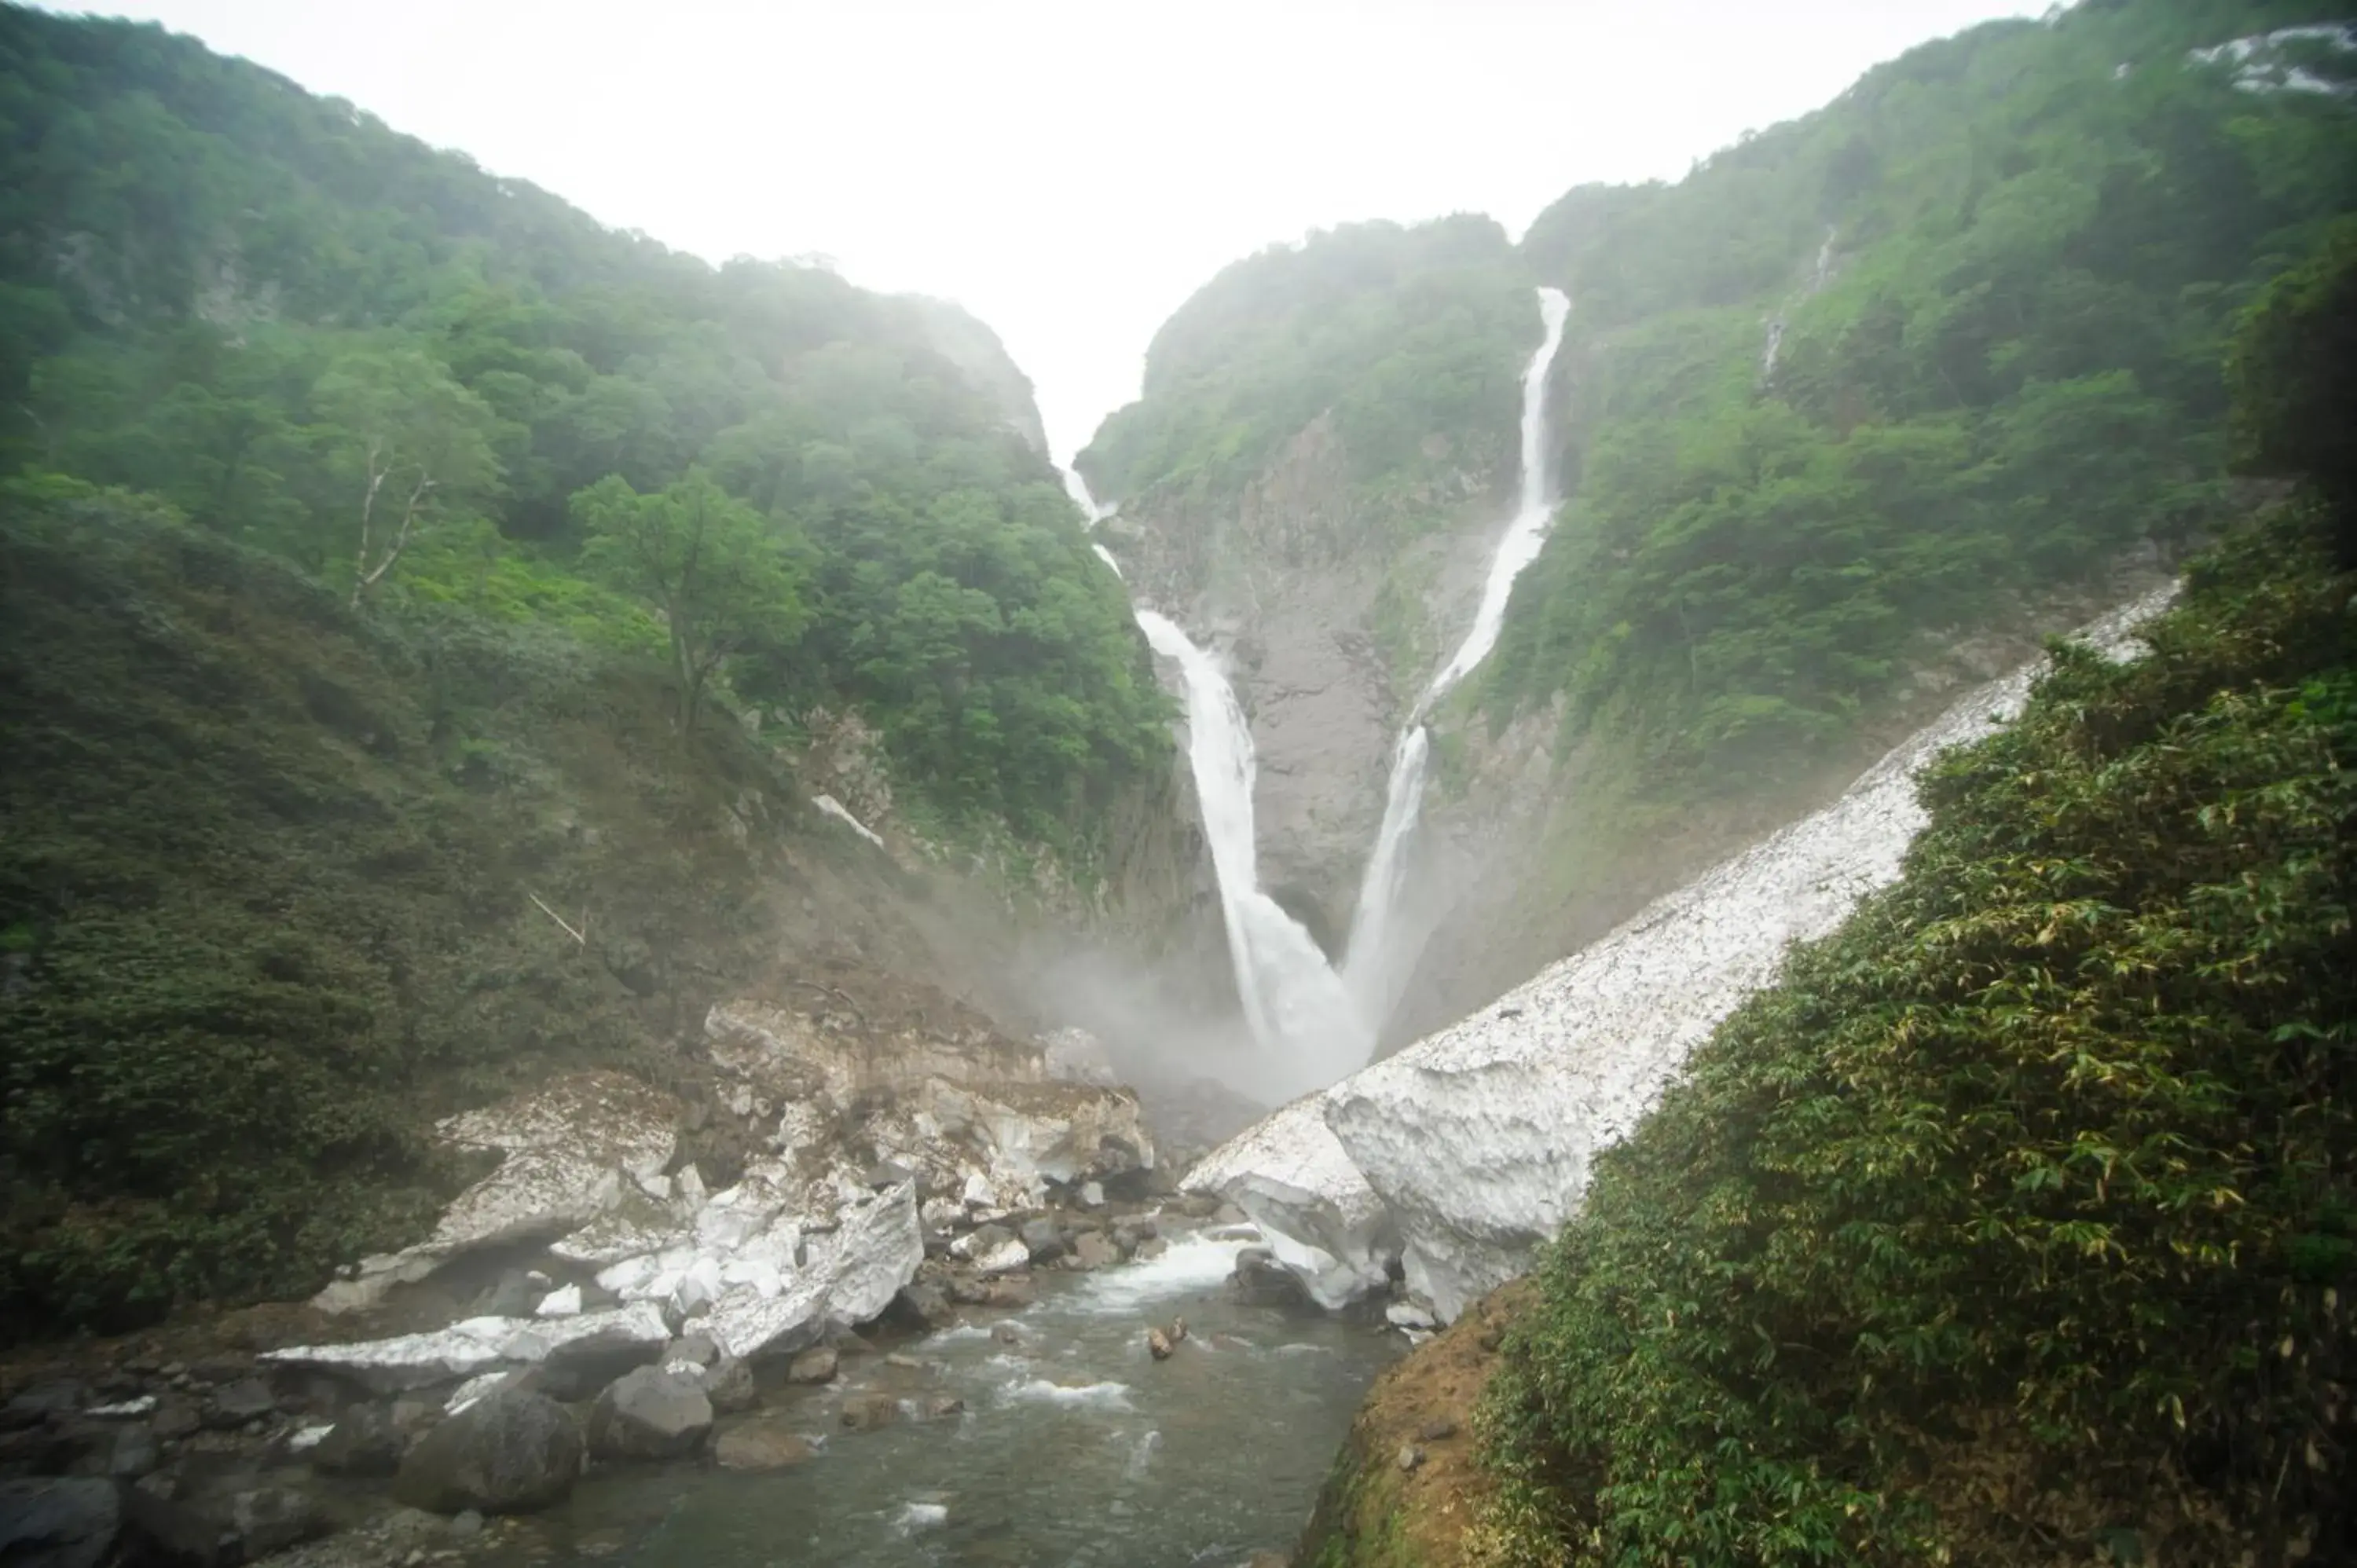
(274, 312)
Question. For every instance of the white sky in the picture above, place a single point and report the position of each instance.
(1070, 170)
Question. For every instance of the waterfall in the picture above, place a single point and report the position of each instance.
(1292, 998)
(1374, 965)
(1315, 1024)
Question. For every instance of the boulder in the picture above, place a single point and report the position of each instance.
(363, 1442)
(1095, 1250)
(728, 1384)
(564, 1302)
(850, 1275)
(1042, 1239)
(511, 1453)
(816, 1365)
(761, 1445)
(650, 1414)
(221, 1532)
(1260, 1280)
(69, 1522)
(569, 1149)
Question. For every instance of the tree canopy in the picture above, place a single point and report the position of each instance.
(312, 333)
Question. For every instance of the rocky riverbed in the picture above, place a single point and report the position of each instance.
(923, 1268)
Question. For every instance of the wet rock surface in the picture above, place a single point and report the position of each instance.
(513, 1452)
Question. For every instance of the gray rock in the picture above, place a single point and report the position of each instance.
(1095, 1250)
(133, 1452)
(650, 1414)
(814, 1366)
(39, 1404)
(697, 1347)
(926, 1301)
(58, 1523)
(728, 1384)
(1150, 1248)
(511, 1453)
(1045, 1242)
(223, 1531)
(1261, 1281)
(761, 1445)
(364, 1442)
(866, 1411)
(174, 1418)
(236, 1403)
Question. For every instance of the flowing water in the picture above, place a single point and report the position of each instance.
(1294, 1002)
(1075, 1448)
(1374, 962)
(1315, 1023)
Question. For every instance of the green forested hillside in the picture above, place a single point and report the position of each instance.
(1952, 340)
(308, 333)
(1411, 338)
(2017, 1223)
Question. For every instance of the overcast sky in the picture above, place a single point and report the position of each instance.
(1070, 172)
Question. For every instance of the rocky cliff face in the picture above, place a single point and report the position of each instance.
(1328, 620)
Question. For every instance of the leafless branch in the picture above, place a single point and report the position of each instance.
(579, 936)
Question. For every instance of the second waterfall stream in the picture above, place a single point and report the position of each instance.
(1314, 1022)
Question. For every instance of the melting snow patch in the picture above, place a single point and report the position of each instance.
(835, 809)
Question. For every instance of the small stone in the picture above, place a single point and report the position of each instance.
(1439, 1429)
(812, 1366)
(1151, 1248)
(935, 1407)
(467, 1521)
(566, 1303)
(1410, 1456)
(1093, 1195)
(1007, 1333)
(174, 1418)
(1095, 1250)
(866, 1413)
(902, 1358)
(761, 1445)
(238, 1401)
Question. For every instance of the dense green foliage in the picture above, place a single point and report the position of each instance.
(2016, 1222)
(2043, 1164)
(1409, 340)
(266, 885)
(313, 335)
(2294, 377)
(1949, 340)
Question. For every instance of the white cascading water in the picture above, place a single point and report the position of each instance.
(1315, 1024)
(1374, 965)
(1298, 1007)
